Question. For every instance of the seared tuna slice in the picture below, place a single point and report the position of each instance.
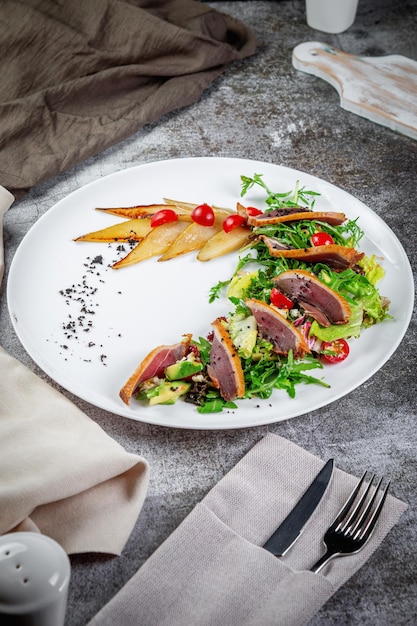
(154, 365)
(337, 257)
(273, 327)
(225, 368)
(311, 294)
(273, 214)
(277, 216)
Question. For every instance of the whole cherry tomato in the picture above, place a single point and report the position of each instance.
(279, 300)
(251, 210)
(233, 221)
(334, 351)
(203, 214)
(163, 217)
(321, 239)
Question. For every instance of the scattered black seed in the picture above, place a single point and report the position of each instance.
(81, 295)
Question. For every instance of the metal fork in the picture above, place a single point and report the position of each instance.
(354, 523)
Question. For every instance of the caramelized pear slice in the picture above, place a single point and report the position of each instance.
(194, 237)
(189, 206)
(156, 242)
(221, 243)
(146, 210)
(132, 230)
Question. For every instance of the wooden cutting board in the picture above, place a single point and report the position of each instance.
(382, 89)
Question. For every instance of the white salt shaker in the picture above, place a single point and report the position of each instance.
(34, 577)
(331, 16)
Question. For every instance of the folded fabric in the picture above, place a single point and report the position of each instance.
(77, 77)
(60, 473)
(212, 570)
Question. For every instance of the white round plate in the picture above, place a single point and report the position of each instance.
(88, 326)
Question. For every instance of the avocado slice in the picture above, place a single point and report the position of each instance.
(169, 392)
(183, 369)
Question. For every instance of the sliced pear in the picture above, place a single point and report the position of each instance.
(145, 210)
(194, 237)
(221, 243)
(189, 206)
(185, 206)
(132, 230)
(156, 242)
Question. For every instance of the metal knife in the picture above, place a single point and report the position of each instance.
(290, 529)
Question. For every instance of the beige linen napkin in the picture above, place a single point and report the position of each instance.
(60, 473)
(213, 571)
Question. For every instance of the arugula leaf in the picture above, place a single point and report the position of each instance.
(214, 403)
(204, 347)
(279, 200)
(298, 234)
(215, 291)
(270, 373)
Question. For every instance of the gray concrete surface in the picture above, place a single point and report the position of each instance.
(263, 109)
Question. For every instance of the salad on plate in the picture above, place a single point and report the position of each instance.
(301, 291)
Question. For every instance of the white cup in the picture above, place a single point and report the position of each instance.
(34, 577)
(331, 16)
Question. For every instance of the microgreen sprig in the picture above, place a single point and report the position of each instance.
(279, 200)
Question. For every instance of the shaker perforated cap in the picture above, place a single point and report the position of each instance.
(34, 576)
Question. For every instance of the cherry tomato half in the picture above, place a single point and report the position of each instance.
(279, 300)
(334, 351)
(203, 214)
(163, 217)
(251, 210)
(233, 221)
(321, 239)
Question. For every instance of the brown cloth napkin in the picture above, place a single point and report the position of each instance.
(60, 473)
(79, 76)
(213, 571)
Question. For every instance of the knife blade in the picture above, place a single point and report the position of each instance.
(290, 529)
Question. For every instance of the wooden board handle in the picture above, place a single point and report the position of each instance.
(382, 89)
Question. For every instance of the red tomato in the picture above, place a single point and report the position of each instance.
(279, 300)
(233, 221)
(321, 239)
(163, 216)
(334, 351)
(251, 210)
(203, 215)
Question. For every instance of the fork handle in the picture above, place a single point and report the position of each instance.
(323, 561)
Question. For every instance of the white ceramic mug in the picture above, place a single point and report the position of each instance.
(331, 16)
(34, 578)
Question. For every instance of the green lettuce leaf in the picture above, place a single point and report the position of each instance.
(374, 272)
(340, 331)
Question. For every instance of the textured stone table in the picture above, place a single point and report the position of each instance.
(264, 109)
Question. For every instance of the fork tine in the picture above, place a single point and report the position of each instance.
(341, 516)
(370, 525)
(364, 514)
(352, 521)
